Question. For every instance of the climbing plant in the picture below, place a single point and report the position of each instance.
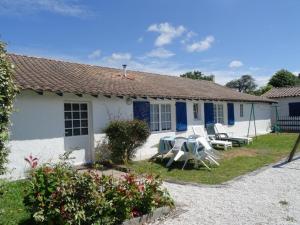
(8, 91)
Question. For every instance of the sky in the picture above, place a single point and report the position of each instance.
(226, 38)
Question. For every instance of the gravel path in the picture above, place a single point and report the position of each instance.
(271, 196)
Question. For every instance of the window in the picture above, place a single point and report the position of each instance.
(166, 117)
(294, 109)
(241, 110)
(76, 119)
(218, 113)
(160, 117)
(154, 117)
(197, 111)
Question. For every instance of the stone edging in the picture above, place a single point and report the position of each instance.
(148, 218)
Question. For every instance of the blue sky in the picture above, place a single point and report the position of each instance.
(227, 38)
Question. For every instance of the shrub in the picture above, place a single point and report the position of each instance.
(124, 137)
(61, 195)
(103, 152)
(8, 92)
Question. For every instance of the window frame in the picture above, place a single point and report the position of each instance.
(160, 119)
(218, 117)
(80, 119)
(241, 110)
(199, 113)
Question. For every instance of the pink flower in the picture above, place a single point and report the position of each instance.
(33, 161)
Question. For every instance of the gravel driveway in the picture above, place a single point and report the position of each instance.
(270, 196)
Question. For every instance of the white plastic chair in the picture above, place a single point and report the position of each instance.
(220, 129)
(200, 132)
(177, 150)
(201, 154)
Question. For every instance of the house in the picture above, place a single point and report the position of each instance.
(64, 106)
(288, 108)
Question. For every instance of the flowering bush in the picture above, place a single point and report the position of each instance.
(8, 91)
(61, 195)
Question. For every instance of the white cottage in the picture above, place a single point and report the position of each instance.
(286, 112)
(64, 106)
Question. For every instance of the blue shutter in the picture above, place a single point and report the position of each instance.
(141, 111)
(230, 111)
(181, 120)
(294, 109)
(208, 113)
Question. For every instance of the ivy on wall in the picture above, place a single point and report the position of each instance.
(8, 91)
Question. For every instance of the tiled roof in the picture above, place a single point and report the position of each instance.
(283, 92)
(42, 74)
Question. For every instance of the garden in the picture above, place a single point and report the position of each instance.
(265, 150)
(58, 193)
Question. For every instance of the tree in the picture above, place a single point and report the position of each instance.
(197, 75)
(283, 78)
(8, 92)
(260, 91)
(244, 84)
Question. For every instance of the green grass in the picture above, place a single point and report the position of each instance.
(12, 209)
(264, 150)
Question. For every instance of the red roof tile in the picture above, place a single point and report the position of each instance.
(42, 74)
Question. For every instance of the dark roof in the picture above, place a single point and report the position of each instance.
(283, 92)
(40, 74)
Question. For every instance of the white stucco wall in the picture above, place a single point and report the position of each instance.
(283, 105)
(38, 126)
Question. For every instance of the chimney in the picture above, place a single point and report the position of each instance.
(124, 70)
(213, 78)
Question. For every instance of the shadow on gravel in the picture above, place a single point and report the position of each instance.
(280, 165)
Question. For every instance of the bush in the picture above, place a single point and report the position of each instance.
(103, 152)
(124, 137)
(61, 195)
(8, 92)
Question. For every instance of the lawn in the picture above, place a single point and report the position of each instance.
(12, 209)
(264, 150)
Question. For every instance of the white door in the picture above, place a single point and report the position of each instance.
(77, 131)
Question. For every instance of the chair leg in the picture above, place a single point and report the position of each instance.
(186, 160)
(204, 164)
(170, 161)
(212, 159)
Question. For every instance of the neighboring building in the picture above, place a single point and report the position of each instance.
(288, 99)
(64, 106)
(288, 107)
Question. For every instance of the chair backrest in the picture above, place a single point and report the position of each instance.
(210, 128)
(179, 141)
(203, 141)
(220, 128)
(199, 131)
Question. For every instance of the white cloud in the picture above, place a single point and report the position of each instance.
(160, 53)
(235, 64)
(116, 59)
(167, 33)
(201, 45)
(95, 54)
(189, 35)
(121, 56)
(296, 73)
(140, 40)
(63, 7)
